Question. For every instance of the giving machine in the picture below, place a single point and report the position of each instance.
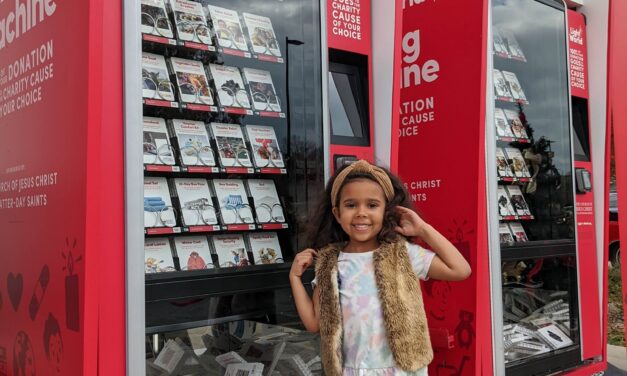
(494, 148)
(183, 148)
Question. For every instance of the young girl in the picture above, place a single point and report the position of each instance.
(367, 303)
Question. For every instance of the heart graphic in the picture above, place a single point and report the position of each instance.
(15, 285)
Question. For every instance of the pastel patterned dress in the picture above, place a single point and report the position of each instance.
(365, 347)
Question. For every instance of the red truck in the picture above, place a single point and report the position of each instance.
(614, 241)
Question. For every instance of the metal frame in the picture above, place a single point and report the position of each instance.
(494, 242)
(324, 75)
(597, 15)
(383, 16)
(133, 192)
(133, 175)
(572, 173)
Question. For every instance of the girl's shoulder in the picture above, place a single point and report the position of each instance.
(420, 259)
(327, 256)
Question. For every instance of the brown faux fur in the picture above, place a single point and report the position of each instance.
(401, 302)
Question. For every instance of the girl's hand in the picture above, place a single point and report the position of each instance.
(301, 262)
(410, 224)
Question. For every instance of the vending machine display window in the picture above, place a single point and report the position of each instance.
(233, 163)
(535, 197)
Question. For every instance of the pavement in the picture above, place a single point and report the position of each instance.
(616, 361)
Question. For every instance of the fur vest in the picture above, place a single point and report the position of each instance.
(401, 303)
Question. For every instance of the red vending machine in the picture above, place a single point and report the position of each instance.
(172, 161)
(487, 147)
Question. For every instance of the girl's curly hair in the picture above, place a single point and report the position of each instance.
(323, 229)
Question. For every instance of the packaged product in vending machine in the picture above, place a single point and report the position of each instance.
(262, 90)
(193, 252)
(232, 150)
(154, 19)
(502, 126)
(195, 202)
(518, 129)
(261, 34)
(505, 236)
(500, 85)
(158, 209)
(231, 250)
(266, 152)
(156, 79)
(228, 28)
(192, 81)
(230, 86)
(157, 149)
(266, 200)
(265, 247)
(514, 86)
(191, 24)
(158, 256)
(233, 200)
(193, 142)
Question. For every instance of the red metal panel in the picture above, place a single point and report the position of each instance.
(396, 91)
(617, 116)
(587, 370)
(586, 238)
(441, 157)
(105, 179)
(578, 55)
(349, 25)
(43, 145)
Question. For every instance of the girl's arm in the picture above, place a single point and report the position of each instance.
(448, 263)
(308, 309)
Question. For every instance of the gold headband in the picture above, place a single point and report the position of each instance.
(364, 167)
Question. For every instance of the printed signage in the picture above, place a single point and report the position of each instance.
(43, 132)
(439, 125)
(348, 25)
(577, 55)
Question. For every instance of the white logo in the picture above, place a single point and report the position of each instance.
(411, 3)
(576, 35)
(414, 74)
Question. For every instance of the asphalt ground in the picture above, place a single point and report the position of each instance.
(616, 361)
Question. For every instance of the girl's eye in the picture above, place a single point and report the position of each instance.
(373, 205)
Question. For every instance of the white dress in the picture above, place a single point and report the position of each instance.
(365, 347)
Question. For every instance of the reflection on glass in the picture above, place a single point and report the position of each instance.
(532, 64)
(345, 118)
(340, 124)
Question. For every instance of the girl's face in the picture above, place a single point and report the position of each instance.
(360, 213)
